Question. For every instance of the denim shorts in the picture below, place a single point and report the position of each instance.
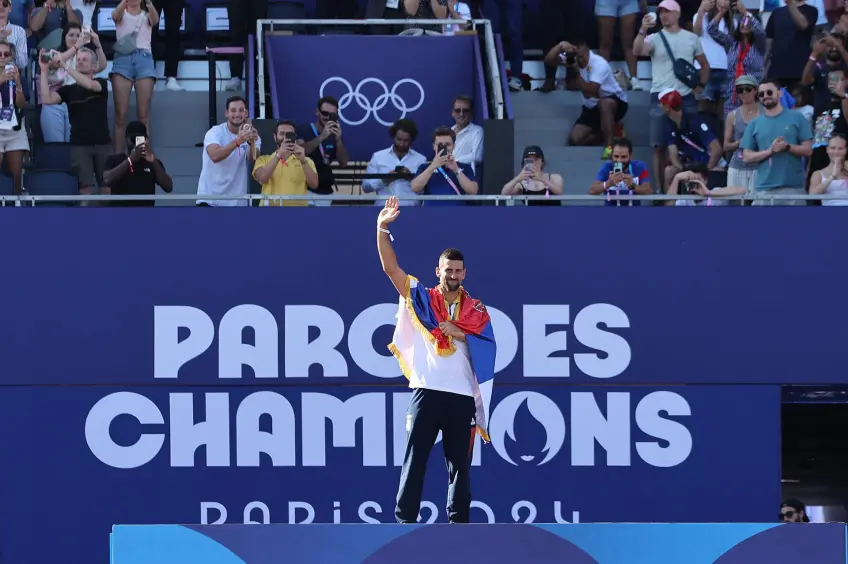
(135, 66)
(616, 8)
(715, 86)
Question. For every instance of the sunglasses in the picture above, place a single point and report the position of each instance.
(787, 515)
(744, 89)
(764, 93)
(462, 110)
(5, 3)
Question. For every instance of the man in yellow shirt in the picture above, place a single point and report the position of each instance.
(287, 171)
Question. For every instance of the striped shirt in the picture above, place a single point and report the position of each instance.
(17, 37)
(753, 64)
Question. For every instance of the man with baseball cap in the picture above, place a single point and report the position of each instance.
(673, 51)
(688, 137)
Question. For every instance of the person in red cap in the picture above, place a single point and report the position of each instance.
(673, 52)
(689, 139)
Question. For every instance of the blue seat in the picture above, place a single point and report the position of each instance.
(51, 183)
(7, 187)
(51, 156)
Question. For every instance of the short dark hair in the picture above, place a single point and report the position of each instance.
(579, 43)
(623, 142)
(285, 122)
(464, 98)
(452, 254)
(772, 81)
(701, 169)
(404, 125)
(328, 100)
(232, 99)
(444, 131)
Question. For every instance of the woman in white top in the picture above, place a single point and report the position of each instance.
(833, 179)
(132, 65)
(710, 99)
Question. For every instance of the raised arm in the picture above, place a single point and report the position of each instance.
(384, 246)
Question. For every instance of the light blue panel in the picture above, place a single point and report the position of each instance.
(657, 543)
(166, 544)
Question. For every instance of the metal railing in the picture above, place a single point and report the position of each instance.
(488, 37)
(498, 200)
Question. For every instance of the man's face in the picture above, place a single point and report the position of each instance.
(790, 515)
(461, 112)
(327, 113)
(236, 113)
(621, 155)
(280, 134)
(451, 273)
(769, 95)
(5, 7)
(443, 140)
(668, 18)
(402, 142)
(85, 62)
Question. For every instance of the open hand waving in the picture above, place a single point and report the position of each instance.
(389, 213)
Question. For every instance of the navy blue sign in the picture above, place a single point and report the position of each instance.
(583, 296)
(416, 78)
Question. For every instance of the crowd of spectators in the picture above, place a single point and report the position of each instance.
(758, 98)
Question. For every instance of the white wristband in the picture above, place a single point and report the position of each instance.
(387, 232)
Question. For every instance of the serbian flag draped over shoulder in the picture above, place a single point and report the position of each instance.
(417, 336)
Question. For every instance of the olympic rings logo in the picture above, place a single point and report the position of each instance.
(355, 95)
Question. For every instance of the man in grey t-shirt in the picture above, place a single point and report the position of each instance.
(778, 140)
(684, 45)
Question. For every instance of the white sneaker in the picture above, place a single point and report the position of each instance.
(233, 84)
(172, 84)
(637, 84)
(515, 84)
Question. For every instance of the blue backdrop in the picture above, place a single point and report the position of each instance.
(417, 78)
(231, 365)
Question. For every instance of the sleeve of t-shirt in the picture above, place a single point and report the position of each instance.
(697, 45)
(261, 161)
(104, 87)
(64, 92)
(811, 13)
(805, 130)
(705, 134)
(642, 174)
(748, 140)
(603, 174)
(311, 164)
(212, 137)
(600, 73)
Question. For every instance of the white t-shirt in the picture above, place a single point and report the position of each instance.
(715, 53)
(227, 177)
(684, 45)
(598, 70)
(87, 10)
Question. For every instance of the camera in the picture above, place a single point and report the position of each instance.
(333, 117)
(442, 149)
(618, 167)
(46, 57)
(689, 187)
(571, 59)
(139, 141)
(291, 137)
